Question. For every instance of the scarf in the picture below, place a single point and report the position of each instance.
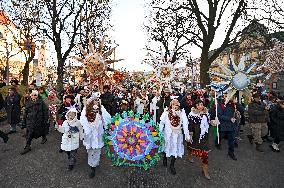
(174, 118)
(204, 126)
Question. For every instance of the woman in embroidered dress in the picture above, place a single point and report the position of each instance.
(94, 118)
(173, 120)
(198, 129)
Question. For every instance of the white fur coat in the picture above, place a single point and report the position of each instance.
(93, 131)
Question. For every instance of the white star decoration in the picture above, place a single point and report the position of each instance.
(236, 78)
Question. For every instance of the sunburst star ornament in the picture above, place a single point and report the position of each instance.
(236, 77)
(97, 60)
(164, 68)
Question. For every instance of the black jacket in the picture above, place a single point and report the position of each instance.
(13, 109)
(36, 118)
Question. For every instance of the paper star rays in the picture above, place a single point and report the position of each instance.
(97, 60)
(164, 68)
(235, 77)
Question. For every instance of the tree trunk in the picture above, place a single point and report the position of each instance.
(60, 74)
(204, 68)
(26, 70)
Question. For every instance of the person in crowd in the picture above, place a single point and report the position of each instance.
(43, 94)
(258, 118)
(80, 99)
(13, 109)
(164, 102)
(227, 127)
(72, 132)
(153, 106)
(52, 103)
(198, 144)
(2, 83)
(139, 104)
(174, 124)
(36, 118)
(107, 99)
(3, 135)
(94, 118)
(187, 102)
(68, 102)
(277, 125)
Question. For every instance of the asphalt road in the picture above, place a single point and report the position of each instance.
(44, 166)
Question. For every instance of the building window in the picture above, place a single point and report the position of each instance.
(274, 85)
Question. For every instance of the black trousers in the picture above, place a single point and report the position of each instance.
(3, 135)
(30, 137)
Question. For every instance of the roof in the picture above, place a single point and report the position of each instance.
(255, 28)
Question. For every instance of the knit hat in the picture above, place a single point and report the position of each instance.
(34, 92)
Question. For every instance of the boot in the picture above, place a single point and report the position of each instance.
(232, 156)
(26, 149)
(250, 137)
(275, 147)
(165, 163)
(258, 148)
(93, 172)
(172, 166)
(70, 167)
(6, 138)
(43, 141)
(205, 171)
(190, 157)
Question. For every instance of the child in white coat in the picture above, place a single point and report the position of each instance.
(94, 118)
(72, 133)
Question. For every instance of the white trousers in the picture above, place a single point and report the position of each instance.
(94, 157)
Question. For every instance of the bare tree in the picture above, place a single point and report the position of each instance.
(169, 29)
(210, 17)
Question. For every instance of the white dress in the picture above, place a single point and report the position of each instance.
(173, 135)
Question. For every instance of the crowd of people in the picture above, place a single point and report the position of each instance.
(82, 113)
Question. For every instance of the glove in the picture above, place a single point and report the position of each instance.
(188, 138)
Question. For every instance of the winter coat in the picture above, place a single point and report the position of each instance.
(225, 117)
(3, 114)
(186, 105)
(13, 109)
(36, 118)
(163, 103)
(93, 131)
(72, 133)
(257, 113)
(107, 101)
(174, 135)
(196, 119)
(277, 123)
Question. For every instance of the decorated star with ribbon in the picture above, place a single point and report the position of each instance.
(236, 78)
(130, 141)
